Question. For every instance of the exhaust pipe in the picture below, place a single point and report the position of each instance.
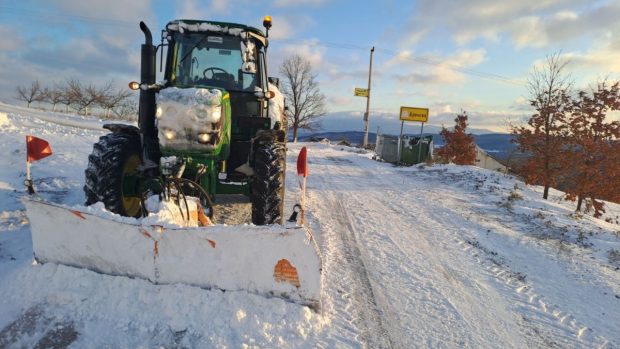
(146, 112)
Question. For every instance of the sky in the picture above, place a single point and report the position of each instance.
(445, 55)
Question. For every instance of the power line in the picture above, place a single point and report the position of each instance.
(455, 67)
(412, 58)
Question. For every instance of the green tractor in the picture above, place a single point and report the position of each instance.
(215, 125)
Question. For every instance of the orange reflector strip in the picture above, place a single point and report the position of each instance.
(146, 233)
(211, 242)
(285, 272)
(78, 213)
(156, 248)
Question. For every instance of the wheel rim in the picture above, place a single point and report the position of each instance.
(131, 204)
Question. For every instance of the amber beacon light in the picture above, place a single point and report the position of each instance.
(267, 22)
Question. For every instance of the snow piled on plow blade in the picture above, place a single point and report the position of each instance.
(268, 260)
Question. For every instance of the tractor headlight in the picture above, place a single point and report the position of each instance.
(159, 112)
(204, 138)
(170, 134)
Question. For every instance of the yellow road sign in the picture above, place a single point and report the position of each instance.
(414, 114)
(360, 92)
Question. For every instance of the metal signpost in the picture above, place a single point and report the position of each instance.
(365, 92)
(411, 114)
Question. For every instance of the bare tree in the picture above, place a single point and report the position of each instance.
(305, 100)
(73, 93)
(53, 96)
(83, 97)
(68, 95)
(549, 89)
(34, 93)
(127, 110)
(111, 100)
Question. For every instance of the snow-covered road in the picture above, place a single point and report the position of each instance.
(425, 291)
(435, 256)
(412, 237)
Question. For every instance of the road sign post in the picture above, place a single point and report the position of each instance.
(365, 92)
(411, 114)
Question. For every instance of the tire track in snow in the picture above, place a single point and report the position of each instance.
(446, 283)
(353, 283)
(448, 309)
(551, 326)
(417, 312)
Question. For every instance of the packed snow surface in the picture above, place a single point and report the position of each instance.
(427, 256)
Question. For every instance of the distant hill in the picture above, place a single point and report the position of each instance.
(498, 145)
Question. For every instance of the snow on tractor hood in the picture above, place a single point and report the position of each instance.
(189, 118)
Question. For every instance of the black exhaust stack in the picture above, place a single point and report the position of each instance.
(146, 112)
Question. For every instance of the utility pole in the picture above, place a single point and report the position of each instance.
(372, 50)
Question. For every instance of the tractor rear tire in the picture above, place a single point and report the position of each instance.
(114, 157)
(267, 185)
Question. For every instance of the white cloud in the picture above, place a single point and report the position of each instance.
(338, 100)
(191, 9)
(604, 59)
(523, 29)
(401, 57)
(414, 37)
(309, 49)
(536, 23)
(10, 39)
(109, 10)
(197, 9)
(285, 27)
(437, 69)
(220, 6)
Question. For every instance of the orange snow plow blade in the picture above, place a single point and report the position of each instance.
(267, 260)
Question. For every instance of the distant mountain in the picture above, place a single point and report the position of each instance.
(388, 123)
(498, 145)
(353, 137)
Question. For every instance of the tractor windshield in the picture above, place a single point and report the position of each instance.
(214, 60)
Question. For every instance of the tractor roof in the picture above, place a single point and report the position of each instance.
(194, 25)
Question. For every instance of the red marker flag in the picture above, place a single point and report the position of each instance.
(302, 168)
(37, 148)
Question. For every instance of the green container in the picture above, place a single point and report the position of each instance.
(410, 152)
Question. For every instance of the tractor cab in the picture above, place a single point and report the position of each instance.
(213, 54)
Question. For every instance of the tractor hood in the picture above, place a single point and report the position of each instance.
(191, 118)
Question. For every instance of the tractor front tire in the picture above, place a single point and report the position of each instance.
(114, 158)
(267, 185)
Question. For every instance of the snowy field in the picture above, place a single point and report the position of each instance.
(429, 256)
